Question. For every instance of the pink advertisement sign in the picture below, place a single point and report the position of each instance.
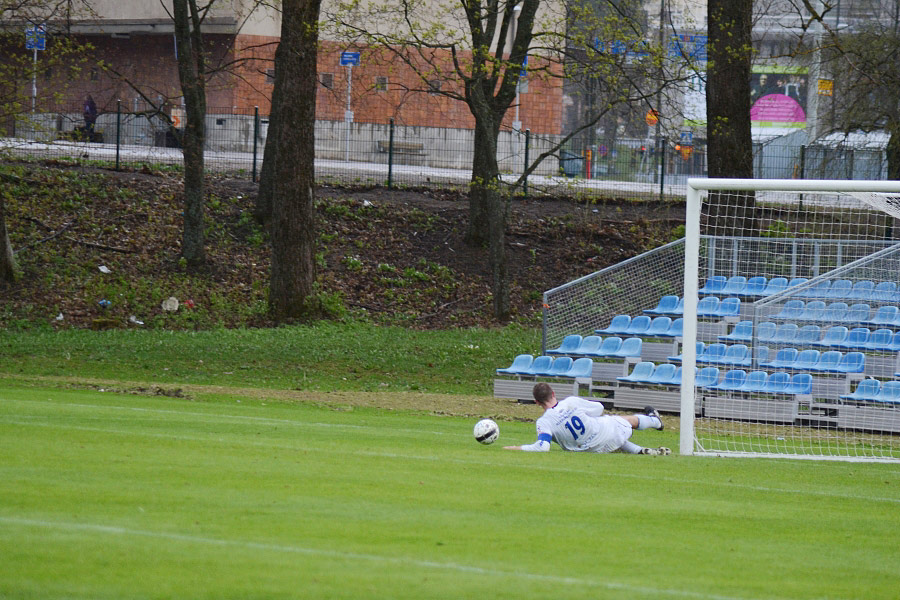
(778, 99)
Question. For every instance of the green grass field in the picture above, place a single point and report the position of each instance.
(107, 495)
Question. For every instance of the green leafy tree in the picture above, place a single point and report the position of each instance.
(477, 48)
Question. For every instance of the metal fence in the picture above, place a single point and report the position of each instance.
(134, 133)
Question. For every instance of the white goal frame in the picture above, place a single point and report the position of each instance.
(697, 188)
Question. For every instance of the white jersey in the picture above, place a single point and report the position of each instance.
(578, 425)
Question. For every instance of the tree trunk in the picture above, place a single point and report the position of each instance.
(292, 229)
(7, 259)
(191, 73)
(730, 143)
(486, 193)
(893, 151)
(262, 210)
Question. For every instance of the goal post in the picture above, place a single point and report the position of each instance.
(823, 257)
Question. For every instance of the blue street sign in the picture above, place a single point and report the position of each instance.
(349, 59)
(523, 72)
(35, 38)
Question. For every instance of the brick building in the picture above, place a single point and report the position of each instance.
(134, 55)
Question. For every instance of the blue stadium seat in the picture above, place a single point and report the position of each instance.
(806, 360)
(582, 368)
(791, 310)
(521, 365)
(890, 392)
(801, 383)
(862, 290)
(679, 308)
(841, 288)
(785, 333)
(828, 362)
(641, 373)
(560, 366)
(775, 285)
(856, 338)
(808, 334)
(884, 315)
(760, 353)
(708, 306)
(659, 326)
(610, 346)
(784, 358)
(706, 377)
(630, 348)
(589, 345)
(676, 329)
(812, 311)
(742, 332)
(835, 312)
(852, 362)
(729, 307)
(880, 340)
(765, 331)
(617, 325)
(663, 374)
(777, 382)
(540, 366)
(676, 377)
(866, 390)
(735, 355)
(638, 325)
(732, 381)
(665, 306)
(569, 345)
(755, 382)
(734, 285)
(797, 281)
(700, 348)
(818, 290)
(885, 291)
(895, 342)
(755, 287)
(833, 337)
(857, 313)
(712, 353)
(713, 285)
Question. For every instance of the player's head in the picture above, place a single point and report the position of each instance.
(543, 393)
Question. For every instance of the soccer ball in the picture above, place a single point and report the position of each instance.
(486, 431)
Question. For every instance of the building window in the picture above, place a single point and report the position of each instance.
(270, 76)
(434, 87)
(327, 80)
(381, 83)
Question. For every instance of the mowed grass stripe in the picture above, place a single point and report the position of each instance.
(403, 562)
(459, 433)
(429, 498)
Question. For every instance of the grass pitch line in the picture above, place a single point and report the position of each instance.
(376, 558)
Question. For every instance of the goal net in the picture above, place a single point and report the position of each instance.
(807, 366)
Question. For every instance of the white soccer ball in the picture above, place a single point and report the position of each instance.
(486, 431)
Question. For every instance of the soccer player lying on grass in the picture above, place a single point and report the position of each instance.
(579, 425)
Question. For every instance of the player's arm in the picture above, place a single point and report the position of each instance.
(541, 445)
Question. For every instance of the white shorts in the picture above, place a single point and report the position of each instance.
(618, 431)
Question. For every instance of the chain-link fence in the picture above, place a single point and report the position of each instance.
(135, 133)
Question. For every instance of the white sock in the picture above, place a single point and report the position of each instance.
(631, 448)
(648, 422)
